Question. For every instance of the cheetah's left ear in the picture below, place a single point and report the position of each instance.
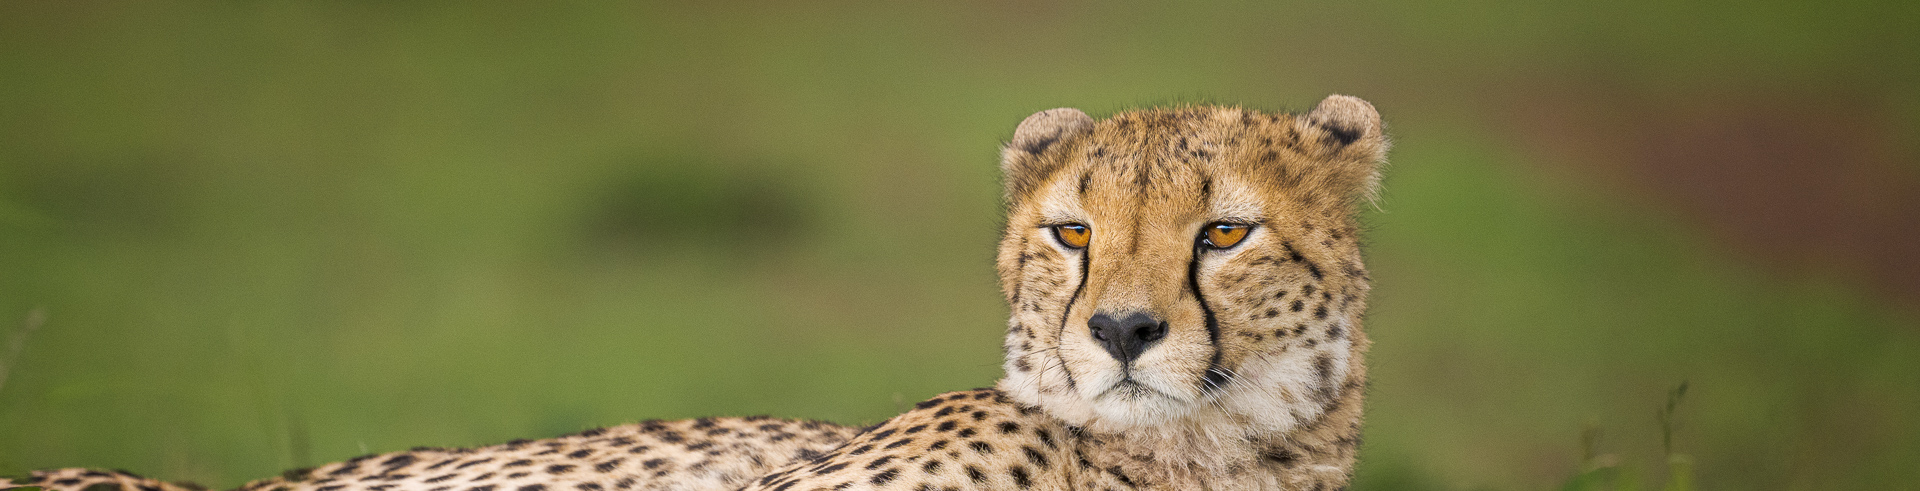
(1025, 162)
(1351, 135)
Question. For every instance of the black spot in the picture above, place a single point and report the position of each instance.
(559, 469)
(587, 486)
(1323, 368)
(1009, 427)
(931, 467)
(653, 463)
(1335, 332)
(884, 476)
(937, 445)
(981, 447)
(1297, 306)
(488, 487)
(879, 462)
(1320, 312)
(976, 475)
(832, 468)
(902, 441)
(518, 475)
(1034, 456)
(534, 487)
(1045, 437)
(1020, 477)
(304, 473)
(1284, 457)
(965, 433)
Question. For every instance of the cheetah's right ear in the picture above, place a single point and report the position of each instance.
(1024, 162)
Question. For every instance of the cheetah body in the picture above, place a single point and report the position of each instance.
(1232, 367)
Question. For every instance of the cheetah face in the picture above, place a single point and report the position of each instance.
(1175, 269)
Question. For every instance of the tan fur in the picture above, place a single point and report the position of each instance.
(1256, 384)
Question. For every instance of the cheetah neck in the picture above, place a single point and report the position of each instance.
(1225, 456)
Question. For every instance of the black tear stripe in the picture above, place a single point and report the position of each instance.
(1215, 377)
(1060, 336)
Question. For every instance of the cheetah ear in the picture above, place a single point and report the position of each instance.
(1023, 162)
(1350, 133)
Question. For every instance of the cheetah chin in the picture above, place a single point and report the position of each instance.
(1186, 293)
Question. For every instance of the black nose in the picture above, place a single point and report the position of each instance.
(1127, 337)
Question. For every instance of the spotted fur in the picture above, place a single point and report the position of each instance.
(1254, 380)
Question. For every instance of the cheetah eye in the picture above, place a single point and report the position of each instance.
(1224, 235)
(1073, 235)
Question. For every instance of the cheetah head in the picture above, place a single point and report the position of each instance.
(1187, 269)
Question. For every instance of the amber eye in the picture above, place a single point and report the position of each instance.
(1224, 235)
(1073, 235)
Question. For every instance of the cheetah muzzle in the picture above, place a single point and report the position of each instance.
(1186, 290)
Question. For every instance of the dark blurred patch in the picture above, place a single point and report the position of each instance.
(136, 195)
(689, 205)
(1803, 180)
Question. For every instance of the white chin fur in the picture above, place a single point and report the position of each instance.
(1267, 393)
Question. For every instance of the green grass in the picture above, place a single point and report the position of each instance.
(267, 235)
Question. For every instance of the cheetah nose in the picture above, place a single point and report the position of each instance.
(1127, 337)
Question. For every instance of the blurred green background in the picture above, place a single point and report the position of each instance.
(237, 237)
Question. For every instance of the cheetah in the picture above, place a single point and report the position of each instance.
(1186, 292)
